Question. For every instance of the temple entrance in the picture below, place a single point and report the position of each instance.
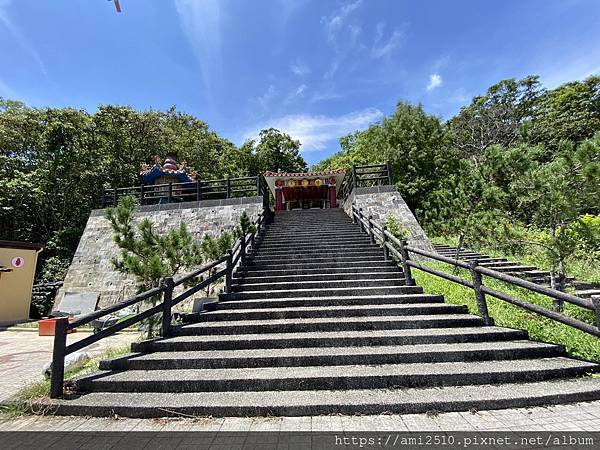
(304, 190)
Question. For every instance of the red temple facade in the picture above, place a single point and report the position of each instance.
(305, 190)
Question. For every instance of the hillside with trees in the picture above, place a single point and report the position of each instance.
(518, 169)
(54, 163)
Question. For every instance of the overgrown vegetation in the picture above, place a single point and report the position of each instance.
(54, 163)
(517, 169)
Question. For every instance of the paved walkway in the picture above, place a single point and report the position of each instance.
(574, 417)
(23, 355)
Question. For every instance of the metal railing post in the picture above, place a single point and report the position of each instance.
(360, 216)
(479, 294)
(142, 195)
(596, 303)
(170, 194)
(228, 186)
(257, 185)
(115, 197)
(352, 207)
(243, 249)
(410, 281)
(58, 357)
(167, 305)
(229, 271)
(388, 167)
(354, 178)
(371, 231)
(385, 239)
(198, 191)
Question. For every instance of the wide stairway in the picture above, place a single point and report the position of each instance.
(320, 323)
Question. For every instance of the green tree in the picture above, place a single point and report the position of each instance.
(571, 112)
(274, 151)
(500, 117)
(147, 255)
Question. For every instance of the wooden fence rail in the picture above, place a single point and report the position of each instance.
(186, 192)
(365, 176)
(401, 251)
(226, 264)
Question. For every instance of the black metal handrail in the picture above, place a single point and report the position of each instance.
(186, 191)
(399, 250)
(63, 325)
(365, 176)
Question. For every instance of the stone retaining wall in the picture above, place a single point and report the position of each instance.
(91, 270)
(384, 201)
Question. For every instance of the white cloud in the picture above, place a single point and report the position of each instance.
(390, 45)
(335, 21)
(301, 89)
(435, 81)
(299, 68)
(265, 99)
(316, 131)
(379, 29)
(201, 23)
(16, 33)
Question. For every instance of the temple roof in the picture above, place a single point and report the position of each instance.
(305, 174)
(168, 168)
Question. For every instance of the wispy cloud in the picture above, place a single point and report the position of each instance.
(315, 132)
(265, 99)
(435, 81)
(335, 21)
(201, 21)
(21, 40)
(381, 49)
(299, 68)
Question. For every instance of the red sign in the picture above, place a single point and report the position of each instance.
(17, 262)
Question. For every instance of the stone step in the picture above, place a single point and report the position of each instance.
(322, 266)
(268, 284)
(588, 293)
(341, 311)
(307, 403)
(299, 245)
(383, 290)
(408, 336)
(394, 275)
(334, 377)
(495, 264)
(309, 237)
(318, 259)
(324, 247)
(328, 324)
(370, 250)
(330, 301)
(369, 255)
(517, 268)
(324, 269)
(326, 356)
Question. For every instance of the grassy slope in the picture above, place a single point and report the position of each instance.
(577, 343)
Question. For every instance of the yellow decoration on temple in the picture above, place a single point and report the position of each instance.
(305, 183)
(318, 182)
(291, 183)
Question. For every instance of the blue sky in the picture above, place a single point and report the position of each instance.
(317, 69)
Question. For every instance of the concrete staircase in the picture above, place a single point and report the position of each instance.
(320, 323)
(582, 289)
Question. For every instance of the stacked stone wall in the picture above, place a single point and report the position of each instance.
(91, 270)
(384, 201)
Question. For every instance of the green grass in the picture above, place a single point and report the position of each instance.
(578, 343)
(26, 399)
